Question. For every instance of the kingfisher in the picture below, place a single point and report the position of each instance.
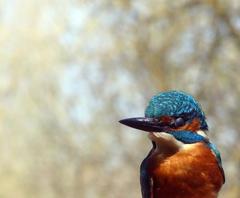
(183, 162)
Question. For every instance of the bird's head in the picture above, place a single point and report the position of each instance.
(174, 120)
(173, 112)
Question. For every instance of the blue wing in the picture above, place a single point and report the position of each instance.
(145, 179)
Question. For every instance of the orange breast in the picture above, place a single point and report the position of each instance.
(191, 172)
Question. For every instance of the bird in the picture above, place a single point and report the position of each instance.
(183, 162)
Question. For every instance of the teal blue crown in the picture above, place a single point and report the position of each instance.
(176, 104)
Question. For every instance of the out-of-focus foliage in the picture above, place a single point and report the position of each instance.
(69, 70)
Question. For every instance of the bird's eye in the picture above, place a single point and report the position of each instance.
(179, 122)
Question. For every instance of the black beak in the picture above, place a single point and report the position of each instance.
(145, 124)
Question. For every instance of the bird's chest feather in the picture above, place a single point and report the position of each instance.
(190, 172)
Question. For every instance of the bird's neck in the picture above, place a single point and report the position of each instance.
(169, 144)
(165, 144)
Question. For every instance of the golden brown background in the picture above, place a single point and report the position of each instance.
(69, 70)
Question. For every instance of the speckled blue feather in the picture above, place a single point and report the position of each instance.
(176, 103)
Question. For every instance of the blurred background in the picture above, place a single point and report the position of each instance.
(69, 70)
